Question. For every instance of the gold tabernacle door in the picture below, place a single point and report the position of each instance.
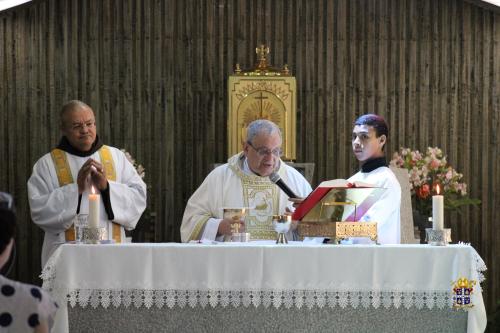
(263, 92)
(336, 214)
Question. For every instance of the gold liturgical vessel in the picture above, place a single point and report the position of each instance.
(336, 215)
(262, 92)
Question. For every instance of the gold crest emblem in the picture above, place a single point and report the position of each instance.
(462, 291)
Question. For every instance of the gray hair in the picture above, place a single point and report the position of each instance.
(261, 126)
(70, 106)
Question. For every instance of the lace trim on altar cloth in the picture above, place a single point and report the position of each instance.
(276, 298)
(246, 298)
(480, 266)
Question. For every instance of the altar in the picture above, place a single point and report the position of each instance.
(261, 286)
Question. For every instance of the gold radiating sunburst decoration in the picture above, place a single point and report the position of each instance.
(262, 93)
(261, 110)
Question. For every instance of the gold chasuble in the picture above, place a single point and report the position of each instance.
(64, 177)
(262, 196)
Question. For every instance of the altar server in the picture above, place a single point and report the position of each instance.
(59, 184)
(243, 182)
(369, 138)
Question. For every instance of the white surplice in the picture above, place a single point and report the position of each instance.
(234, 185)
(386, 211)
(53, 207)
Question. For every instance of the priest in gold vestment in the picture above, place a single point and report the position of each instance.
(244, 182)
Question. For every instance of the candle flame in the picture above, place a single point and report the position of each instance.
(438, 189)
(92, 189)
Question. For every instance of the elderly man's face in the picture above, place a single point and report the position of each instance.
(79, 128)
(263, 153)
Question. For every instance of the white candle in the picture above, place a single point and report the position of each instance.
(437, 210)
(94, 204)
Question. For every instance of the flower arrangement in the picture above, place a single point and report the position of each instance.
(426, 171)
(138, 167)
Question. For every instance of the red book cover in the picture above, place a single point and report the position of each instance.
(319, 192)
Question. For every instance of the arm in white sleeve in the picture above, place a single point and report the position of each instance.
(128, 197)
(200, 216)
(211, 229)
(386, 213)
(52, 208)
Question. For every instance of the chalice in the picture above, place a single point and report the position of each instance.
(236, 214)
(282, 224)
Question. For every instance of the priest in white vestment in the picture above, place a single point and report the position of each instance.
(244, 182)
(59, 185)
(369, 138)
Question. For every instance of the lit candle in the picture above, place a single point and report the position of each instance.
(437, 210)
(94, 203)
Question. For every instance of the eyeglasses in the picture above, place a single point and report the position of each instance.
(263, 151)
(6, 201)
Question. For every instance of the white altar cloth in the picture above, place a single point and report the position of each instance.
(262, 273)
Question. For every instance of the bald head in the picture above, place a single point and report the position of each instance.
(74, 105)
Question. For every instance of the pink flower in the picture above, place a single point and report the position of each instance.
(434, 164)
(462, 188)
(431, 168)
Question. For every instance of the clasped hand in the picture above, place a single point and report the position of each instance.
(94, 171)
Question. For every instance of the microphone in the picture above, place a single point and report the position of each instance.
(275, 178)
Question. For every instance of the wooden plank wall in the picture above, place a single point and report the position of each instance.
(155, 73)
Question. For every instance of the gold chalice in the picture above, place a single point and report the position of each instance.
(236, 214)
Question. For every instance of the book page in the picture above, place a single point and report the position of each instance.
(343, 183)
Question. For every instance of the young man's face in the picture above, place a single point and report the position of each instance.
(365, 143)
(263, 153)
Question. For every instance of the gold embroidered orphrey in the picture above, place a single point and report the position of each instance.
(263, 92)
(261, 194)
(64, 177)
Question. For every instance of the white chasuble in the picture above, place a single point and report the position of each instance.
(230, 186)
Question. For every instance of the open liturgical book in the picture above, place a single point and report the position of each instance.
(338, 200)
